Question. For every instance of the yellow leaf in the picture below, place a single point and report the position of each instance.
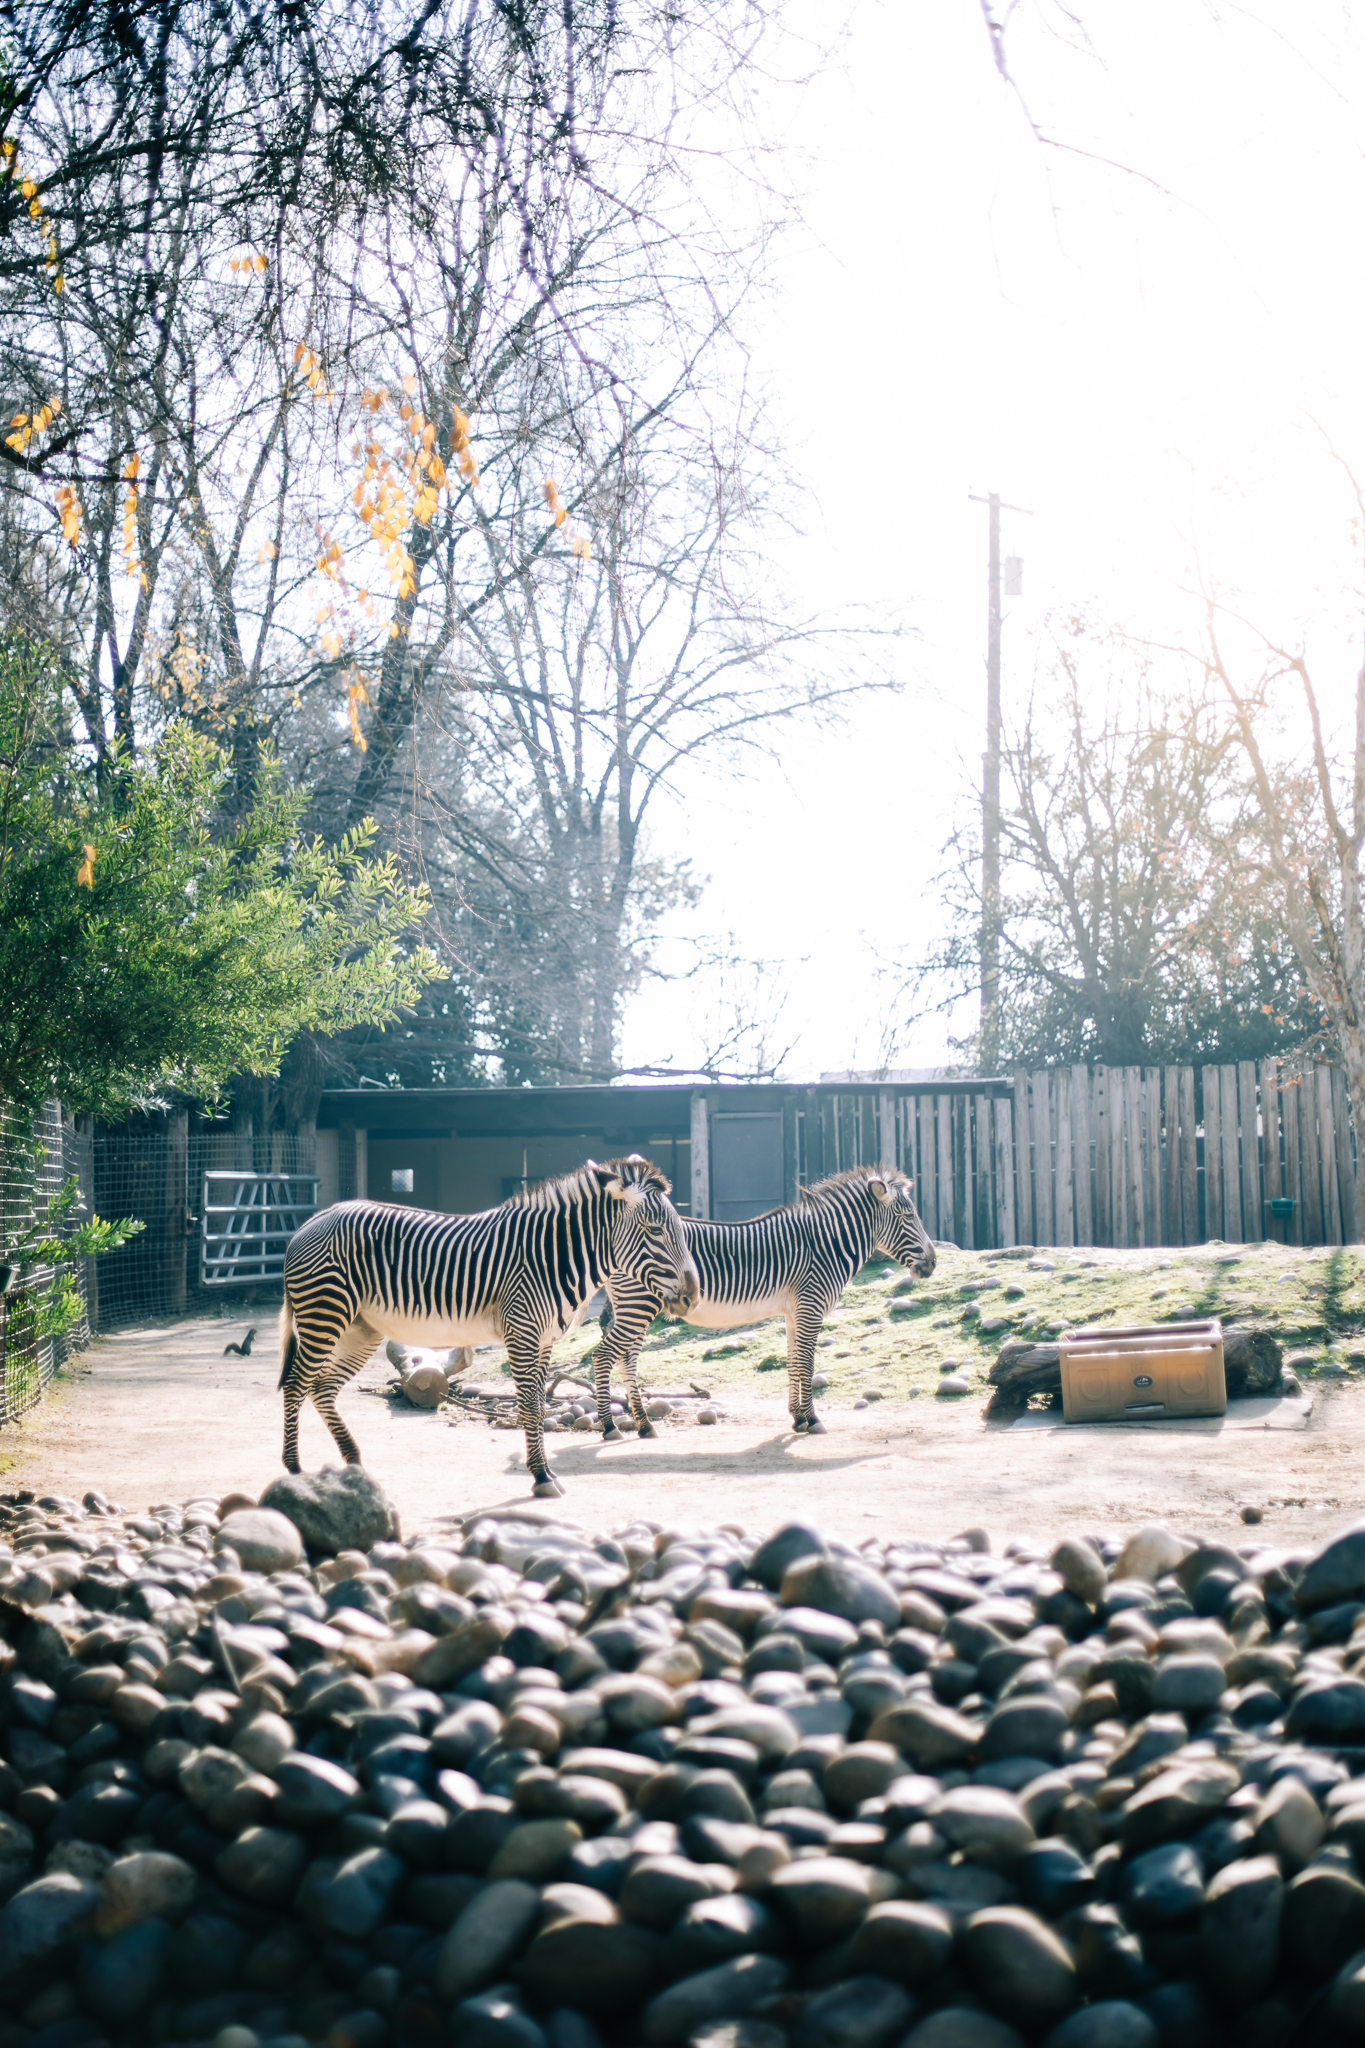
(262, 262)
(85, 873)
(266, 551)
(130, 466)
(409, 385)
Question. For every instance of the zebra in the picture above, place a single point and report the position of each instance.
(798, 1260)
(523, 1272)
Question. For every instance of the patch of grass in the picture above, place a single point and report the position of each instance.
(891, 1342)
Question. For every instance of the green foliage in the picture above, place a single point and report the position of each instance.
(52, 1237)
(145, 943)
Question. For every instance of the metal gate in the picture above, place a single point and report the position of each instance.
(248, 1219)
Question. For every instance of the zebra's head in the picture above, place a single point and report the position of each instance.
(646, 1241)
(896, 1227)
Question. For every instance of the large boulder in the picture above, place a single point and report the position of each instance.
(339, 1508)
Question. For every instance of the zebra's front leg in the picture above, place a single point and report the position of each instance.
(803, 1329)
(632, 1312)
(643, 1425)
(529, 1368)
(293, 1402)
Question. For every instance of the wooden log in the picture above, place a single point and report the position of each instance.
(1232, 1168)
(1253, 1202)
(1213, 1156)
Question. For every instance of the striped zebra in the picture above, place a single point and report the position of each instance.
(795, 1261)
(522, 1273)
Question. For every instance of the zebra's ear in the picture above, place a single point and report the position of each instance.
(880, 1190)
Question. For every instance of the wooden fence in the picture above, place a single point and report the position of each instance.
(1112, 1155)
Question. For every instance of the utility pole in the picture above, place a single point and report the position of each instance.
(989, 1054)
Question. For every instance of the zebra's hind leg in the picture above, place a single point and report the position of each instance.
(643, 1425)
(530, 1373)
(803, 1328)
(356, 1346)
(293, 1402)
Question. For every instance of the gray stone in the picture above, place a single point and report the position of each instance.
(823, 1636)
(1289, 1823)
(1188, 1685)
(862, 2012)
(1029, 1725)
(929, 1734)
(824, 1897)
(494, 2019)
(1335, 1573)
(16, 1855)
(952, 1384)
(794, 1540)
(1019, 1965)
(960, 2026)
(1081, 1570)
(603, 1969)
(264, 1540)
(862, 1771)
(339, 1508)
(1330, 1714)
(729, 1990)
(839, 1586)
(737, 2034)
(1163, 1886)
(1176, 1803)
(41, 1921)
(906, 1939)
(1149, 1552)
(118, 1977)
(349, 1898)
(1109, 2023)
(1239, 1931)
(1323, 1924)
(141, 1885)
(264, 1866)
(488, 1936)
(714, 1930)
(987, 1824)
(660, 1888)
(313, 1791)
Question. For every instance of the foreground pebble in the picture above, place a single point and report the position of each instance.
(274, 1777)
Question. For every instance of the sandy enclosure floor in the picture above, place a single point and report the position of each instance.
(159, 1414)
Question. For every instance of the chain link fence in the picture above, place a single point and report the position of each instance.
(36, 1160)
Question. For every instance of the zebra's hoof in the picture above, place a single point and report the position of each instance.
(647, 1429)
(800, 1424)
(815, 1427)
(546, 1487)
(612, 1436)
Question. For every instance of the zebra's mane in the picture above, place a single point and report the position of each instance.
(565, 1189)
(853, 1176)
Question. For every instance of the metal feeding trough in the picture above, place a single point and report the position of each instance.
(1143, 1373)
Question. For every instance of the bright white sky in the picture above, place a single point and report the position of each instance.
(965, 310)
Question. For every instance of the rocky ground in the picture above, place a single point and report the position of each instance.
(274, 1774)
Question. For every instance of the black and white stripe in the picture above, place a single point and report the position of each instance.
(795, 1262)
(521, 1273)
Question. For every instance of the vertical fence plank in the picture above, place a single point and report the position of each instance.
(1170, 1104)
(1118, 1153)
(1310, 1156)
(1291, 1099)
(1080, 1155)
(1063, 1228)
(1327, 1139)
(886, 1129)
(1151, 1139)
(1023, 1164)
(943, 1151)
(1213, 1155)
(981, 1158)
(1346, 1166)
(1104, 1215)
(1004, 1169)
(962, 1170)
(1253, 1206)
(1232, 1165)
(1042, 1158)
(1133, 1188)
(1189, 1157)
(1269, 1076)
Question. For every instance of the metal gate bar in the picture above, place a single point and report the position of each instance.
(248, 1219)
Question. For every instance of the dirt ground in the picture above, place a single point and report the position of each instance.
(159, 1414)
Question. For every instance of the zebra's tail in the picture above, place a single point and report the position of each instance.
(289, 1342)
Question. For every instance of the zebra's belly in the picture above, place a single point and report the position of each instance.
(436, 1333)
(725, 1315)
